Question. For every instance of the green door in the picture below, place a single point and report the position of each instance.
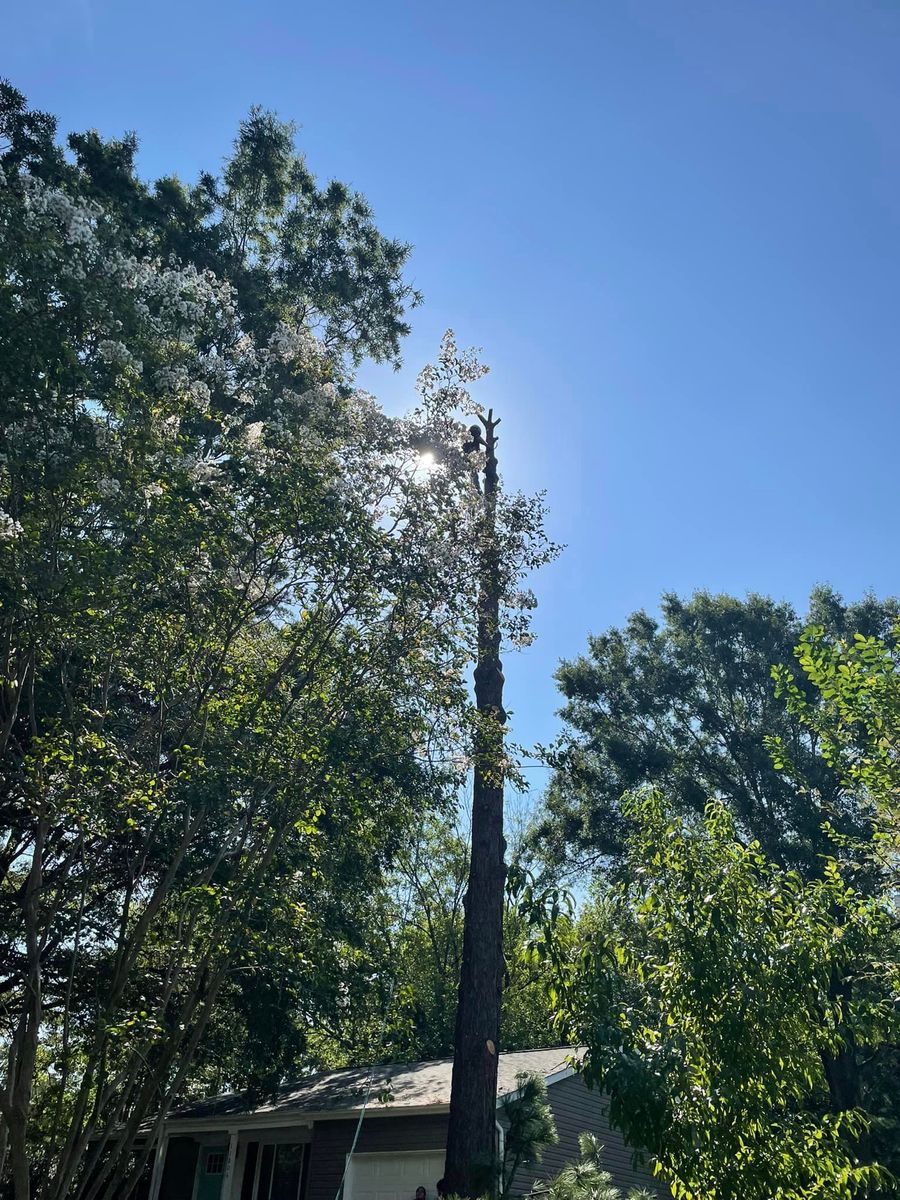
(210, 1172)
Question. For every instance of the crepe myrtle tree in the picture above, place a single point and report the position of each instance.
(292, 249)
(235, 612)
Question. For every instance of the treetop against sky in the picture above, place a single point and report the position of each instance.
(672, 228)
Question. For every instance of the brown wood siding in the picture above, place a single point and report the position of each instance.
(577, 1110)
(331, 1141)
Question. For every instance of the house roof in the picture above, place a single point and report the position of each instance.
(394, 1086)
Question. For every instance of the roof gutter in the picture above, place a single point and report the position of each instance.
(270, 1120)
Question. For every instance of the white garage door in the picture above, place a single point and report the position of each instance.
(393, 1176)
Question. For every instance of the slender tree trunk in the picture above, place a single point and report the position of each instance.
(23, 1051)
(473, 1098)
(18, 1153)
(842, 1068)
(4, 1145)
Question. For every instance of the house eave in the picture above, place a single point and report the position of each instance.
(304, 1119)
(273, 1120)
(554, 1077)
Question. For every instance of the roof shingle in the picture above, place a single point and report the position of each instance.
(396, 1085)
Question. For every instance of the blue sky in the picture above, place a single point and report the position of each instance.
(672, 226)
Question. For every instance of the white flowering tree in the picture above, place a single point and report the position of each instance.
(235, 609)
(295, 252)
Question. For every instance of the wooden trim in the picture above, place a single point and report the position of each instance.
(303, 1157)
(560, 1075)
(254, 1194)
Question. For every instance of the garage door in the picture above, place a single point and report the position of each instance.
(393, 1176)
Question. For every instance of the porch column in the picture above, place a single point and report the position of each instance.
(159, 1164)
(229, 1189)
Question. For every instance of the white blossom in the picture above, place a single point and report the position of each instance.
(108, 487)
(118, 355)
(295, 344)
(215, 366)
(171, 424)
(202, 470)
(171, 379)
(9, 527)
(77, 219)
(199, 393)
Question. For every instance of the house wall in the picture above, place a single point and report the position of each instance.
(577, 1109)
(331, 1142)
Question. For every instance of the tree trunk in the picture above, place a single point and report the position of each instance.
(842, 1068)
(470, 1162)
(23, 1051)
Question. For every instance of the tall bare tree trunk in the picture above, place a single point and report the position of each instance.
(473, 1097)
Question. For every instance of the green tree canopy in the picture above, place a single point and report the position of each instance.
(689, 708)
(402, 1006)
(854, 713)
(293, 251)
(706, 997)
(234, 612)
(686, 704)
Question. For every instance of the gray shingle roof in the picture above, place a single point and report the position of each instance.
(397, 1085)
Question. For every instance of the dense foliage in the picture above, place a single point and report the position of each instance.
(401, 1002)
(292, 251)
(854, 713)
(235, 611)
(687, 705)
(706, 994)
(736, 973)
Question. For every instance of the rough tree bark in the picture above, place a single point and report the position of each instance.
(473, 1097)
